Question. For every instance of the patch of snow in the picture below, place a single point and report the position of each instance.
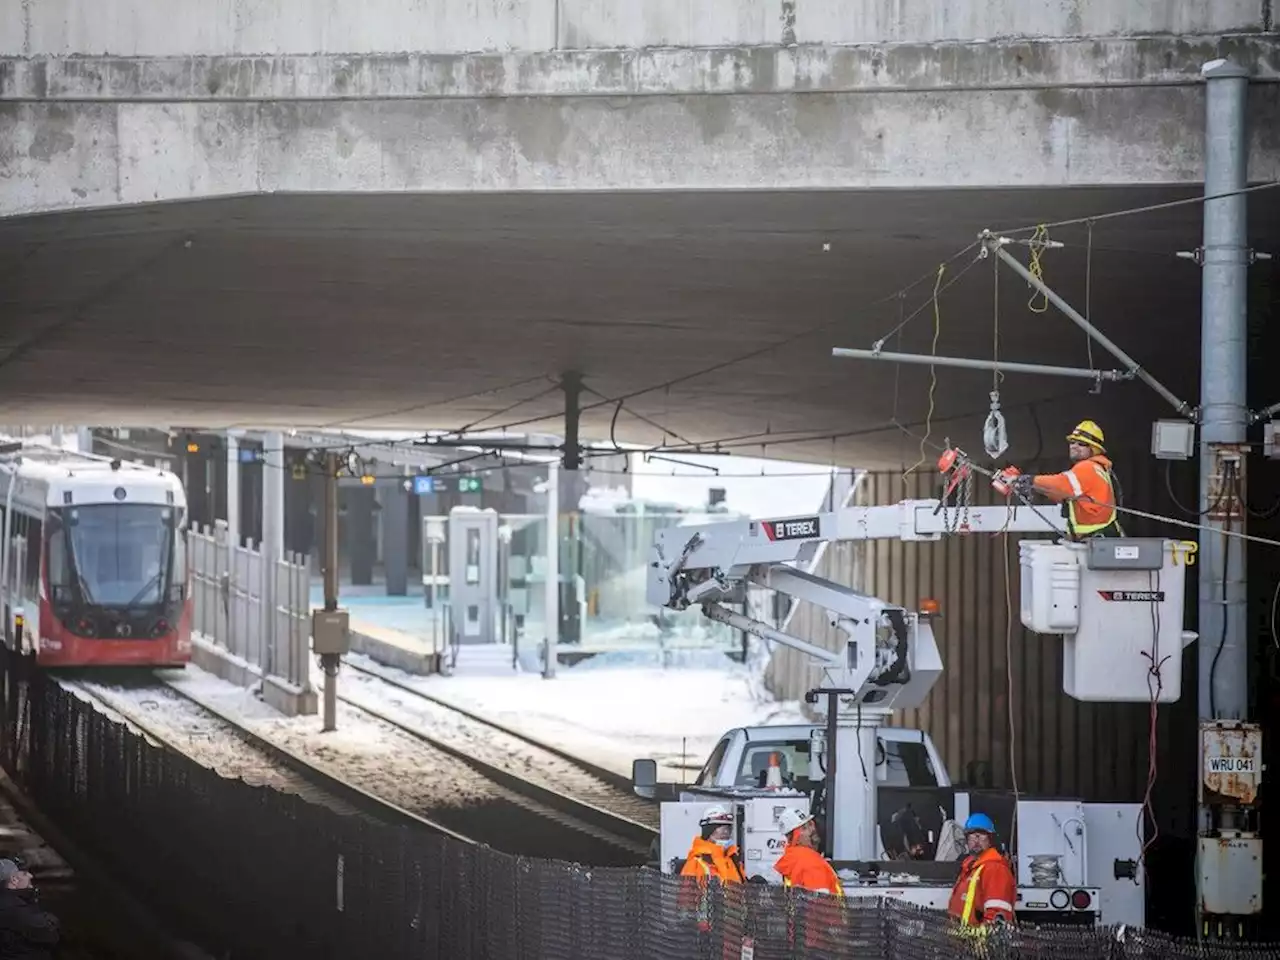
(610, 715)
(489, 745)
(195, 731)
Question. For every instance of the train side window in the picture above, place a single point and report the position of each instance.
(35, 539)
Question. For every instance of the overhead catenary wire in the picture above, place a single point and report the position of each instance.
(1145, 208)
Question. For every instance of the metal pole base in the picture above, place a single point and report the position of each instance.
(329, 663)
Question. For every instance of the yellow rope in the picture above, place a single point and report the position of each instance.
(933, 375)
(1037, 243)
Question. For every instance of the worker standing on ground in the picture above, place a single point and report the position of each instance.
(803, 867)
(985, 892)
(713, 856)
(25, 930)
(1085, 490)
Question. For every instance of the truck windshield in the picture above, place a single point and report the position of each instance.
(792, 757)
(111, 554)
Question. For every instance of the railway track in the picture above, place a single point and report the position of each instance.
(520, 762)
(427, 787)
(261, 761)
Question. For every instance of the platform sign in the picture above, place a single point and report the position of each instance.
(425, 484)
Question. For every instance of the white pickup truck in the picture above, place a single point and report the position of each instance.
(1075, 862)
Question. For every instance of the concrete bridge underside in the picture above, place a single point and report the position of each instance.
(408, 215)
(443, 310)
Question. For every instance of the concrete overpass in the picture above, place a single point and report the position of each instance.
(407, 216)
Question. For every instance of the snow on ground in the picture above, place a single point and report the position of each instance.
(367, 752)
(199, 734)
(617, 707)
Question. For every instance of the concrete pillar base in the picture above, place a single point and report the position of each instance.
(277, 692)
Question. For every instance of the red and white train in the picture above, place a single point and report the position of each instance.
(94, 570)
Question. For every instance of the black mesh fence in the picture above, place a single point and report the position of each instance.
(258, 873)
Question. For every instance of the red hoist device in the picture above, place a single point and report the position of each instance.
(1116, 603)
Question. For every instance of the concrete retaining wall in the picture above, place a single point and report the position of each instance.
(180, 28)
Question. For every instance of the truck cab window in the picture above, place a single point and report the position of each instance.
(903, 763)
(707, 776)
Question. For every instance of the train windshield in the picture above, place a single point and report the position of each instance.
(112, 554)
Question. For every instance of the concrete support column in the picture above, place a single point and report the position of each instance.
(273, 657)
(395, 539)
(233, 486)
(273, 472)
(360, 536)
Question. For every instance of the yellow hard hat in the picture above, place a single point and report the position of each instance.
(1088, 433)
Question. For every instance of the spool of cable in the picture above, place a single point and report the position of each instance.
(1046, 869)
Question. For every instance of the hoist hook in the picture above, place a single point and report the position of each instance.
(995, 435)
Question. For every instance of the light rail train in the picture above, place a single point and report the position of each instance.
(94, 566)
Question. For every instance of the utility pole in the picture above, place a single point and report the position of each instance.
(1229, 846)
(1224, 656)
(330, 627)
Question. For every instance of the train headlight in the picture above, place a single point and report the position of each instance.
(161, 628)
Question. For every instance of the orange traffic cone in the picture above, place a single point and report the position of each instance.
(773, 776)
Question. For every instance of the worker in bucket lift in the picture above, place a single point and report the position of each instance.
(1085, 490)
(985, 892)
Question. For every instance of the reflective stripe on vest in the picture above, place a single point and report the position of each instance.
(970, 893)
(1085, 529)
(703, 910)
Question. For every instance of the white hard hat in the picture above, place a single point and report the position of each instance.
(791, 819)
(718, 813)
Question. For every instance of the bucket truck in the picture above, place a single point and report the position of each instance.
(889, 810)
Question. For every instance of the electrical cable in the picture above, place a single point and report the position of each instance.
(1008, 655)
(1148, 208)
(771, 347)
(933, 374)
(434, 403)
(1231, 480)
(1275, 607)
(1154, 673)
(639, 416)
(1173, 497)
(554, 388)
(1088, 293)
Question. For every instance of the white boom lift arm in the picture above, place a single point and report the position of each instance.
(1098, 595)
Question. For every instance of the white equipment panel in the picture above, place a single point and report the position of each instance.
(1052, 828)
(1114, 842)
(1118, 604)
(678, 825)
(762, 842)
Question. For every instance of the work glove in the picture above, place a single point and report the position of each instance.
(1024, 485)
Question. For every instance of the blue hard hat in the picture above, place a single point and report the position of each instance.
(979, 821)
